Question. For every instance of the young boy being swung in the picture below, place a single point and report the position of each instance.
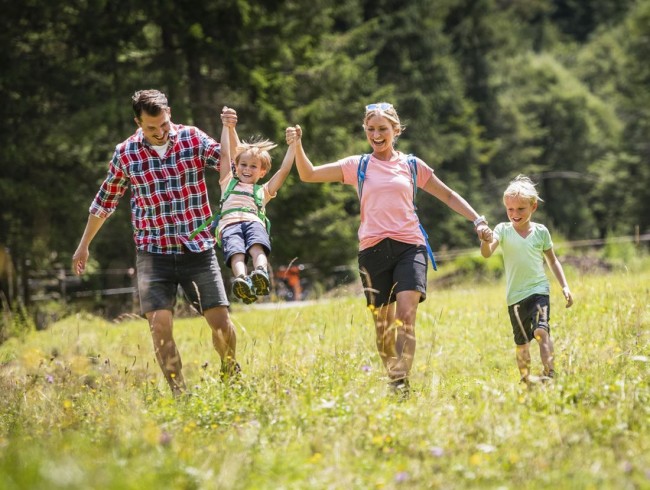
(243, 227)
(525, 245)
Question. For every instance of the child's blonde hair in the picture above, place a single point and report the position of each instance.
(521, 186)
(259, 149)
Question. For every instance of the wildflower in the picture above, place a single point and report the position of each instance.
(165, 438)
(401, 477)
(437, 451)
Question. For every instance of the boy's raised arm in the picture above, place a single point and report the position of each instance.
(283, 172)
(228, 135)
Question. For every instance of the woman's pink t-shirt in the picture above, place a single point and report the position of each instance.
(387, 199)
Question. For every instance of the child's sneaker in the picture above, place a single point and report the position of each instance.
(260, 279)
(401, 388)
(242, 288)
(547, 376)
(230, 371)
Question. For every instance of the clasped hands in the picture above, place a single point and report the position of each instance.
(484, 232)
(293, 134)
(228, 117)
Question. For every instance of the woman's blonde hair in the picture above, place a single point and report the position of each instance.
(521, 186)
(384, 109)
(259, 149)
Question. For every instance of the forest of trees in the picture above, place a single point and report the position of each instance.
(487, 89)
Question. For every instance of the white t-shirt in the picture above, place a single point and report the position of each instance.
(161, 149)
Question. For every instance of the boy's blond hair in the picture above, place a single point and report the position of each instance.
(521, 186)
(259, 149)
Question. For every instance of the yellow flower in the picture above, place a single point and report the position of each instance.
(475, 459)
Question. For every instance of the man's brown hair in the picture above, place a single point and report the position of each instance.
(153, 102)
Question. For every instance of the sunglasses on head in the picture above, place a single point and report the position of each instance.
(382, 106)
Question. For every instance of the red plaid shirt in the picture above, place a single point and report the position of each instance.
(169, 199)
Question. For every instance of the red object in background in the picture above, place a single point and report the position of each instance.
(291, 275)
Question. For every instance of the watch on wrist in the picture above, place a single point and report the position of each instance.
(479, 220)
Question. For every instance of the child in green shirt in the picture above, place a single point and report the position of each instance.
(525, 245)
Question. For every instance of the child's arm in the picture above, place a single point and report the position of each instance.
(558, 272)
(231, 118)
(229, 121)
(281, 175)
(489, 246)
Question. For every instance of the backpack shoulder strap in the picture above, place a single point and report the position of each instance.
(361, 172)
(413, 166)
(231, 186)
(258, 195)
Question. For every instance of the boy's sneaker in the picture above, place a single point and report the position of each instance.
(230, 371)
(401, 388)
(260, 279)
(242, 288)
(547, 376)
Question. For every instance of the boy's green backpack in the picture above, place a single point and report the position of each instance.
(257, 195)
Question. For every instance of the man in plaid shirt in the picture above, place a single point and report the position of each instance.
(164, 165)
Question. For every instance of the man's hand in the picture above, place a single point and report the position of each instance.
(79, 260)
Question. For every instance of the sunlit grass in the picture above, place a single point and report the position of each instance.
(84, 405)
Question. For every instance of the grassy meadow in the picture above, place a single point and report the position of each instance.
(83, 404)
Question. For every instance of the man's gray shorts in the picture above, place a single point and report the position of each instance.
(159, 276)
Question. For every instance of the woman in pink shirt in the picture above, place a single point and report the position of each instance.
(392, 249)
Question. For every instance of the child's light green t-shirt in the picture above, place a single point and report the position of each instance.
(523, 259)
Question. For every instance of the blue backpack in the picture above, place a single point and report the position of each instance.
(413, 166)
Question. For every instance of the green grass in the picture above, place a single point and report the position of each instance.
(84, 405)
